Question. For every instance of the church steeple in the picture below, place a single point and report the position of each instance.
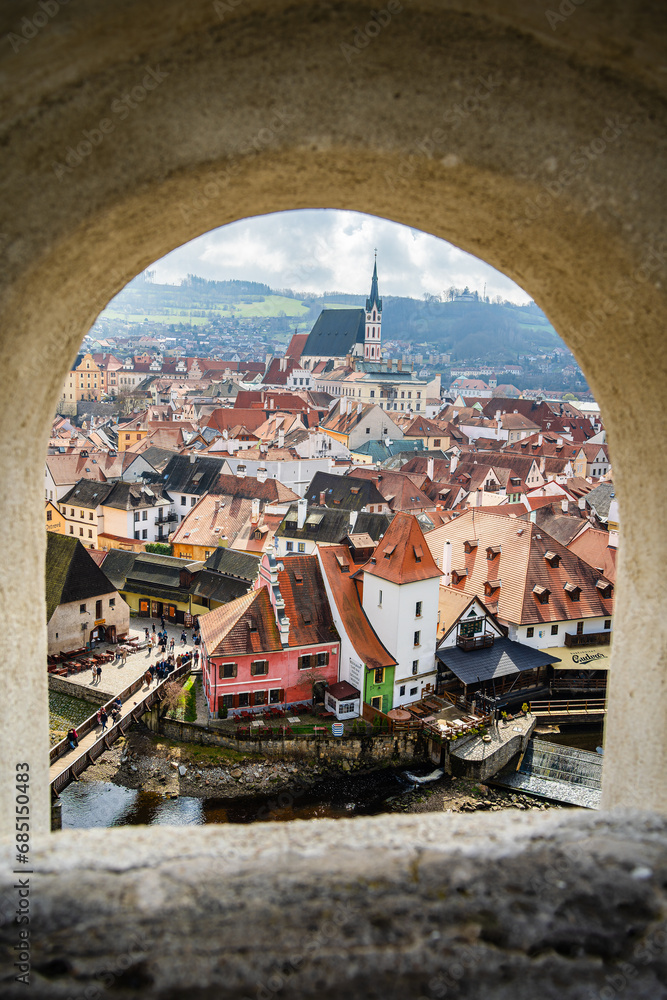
(373, 333)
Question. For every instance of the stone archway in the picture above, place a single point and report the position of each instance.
(133, 127)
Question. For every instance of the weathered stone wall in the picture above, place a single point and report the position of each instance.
(94, 695)
(488, 759)
(403, 749)
(561, 905)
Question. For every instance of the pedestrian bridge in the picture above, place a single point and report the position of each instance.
(66, 764)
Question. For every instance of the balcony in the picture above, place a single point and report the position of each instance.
(588, 639)
(466, 643)
(163, 518)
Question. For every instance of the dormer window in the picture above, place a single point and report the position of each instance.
(419, 552)
(541, 594)
(458, 575)
(572, 591)
(552, 558)
(491, 586)
(469, 545)
(493, 551)
(389, 550)
(604, 587)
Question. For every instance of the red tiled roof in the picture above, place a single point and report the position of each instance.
(363, 637)
(246, 625)
(402, 555)
(306, 604)
(521, 567)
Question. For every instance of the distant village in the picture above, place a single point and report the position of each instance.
(339, 524)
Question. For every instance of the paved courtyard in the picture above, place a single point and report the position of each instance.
(116, 675)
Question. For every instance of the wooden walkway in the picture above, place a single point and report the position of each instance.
(67, 764)
(569, 708)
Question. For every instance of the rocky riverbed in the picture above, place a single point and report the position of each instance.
(157, 765)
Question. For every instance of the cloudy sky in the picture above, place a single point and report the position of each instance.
(327, 250)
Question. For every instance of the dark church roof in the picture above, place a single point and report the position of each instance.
(335, 333)
(71, 574)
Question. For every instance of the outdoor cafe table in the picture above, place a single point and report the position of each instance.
(399, 715)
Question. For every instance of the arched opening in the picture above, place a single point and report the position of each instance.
(264, 111)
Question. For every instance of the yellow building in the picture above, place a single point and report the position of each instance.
(54, 519)
(130, 433)
(84, 381)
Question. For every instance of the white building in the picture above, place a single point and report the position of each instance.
(400, 599)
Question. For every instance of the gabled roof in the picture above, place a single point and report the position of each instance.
(331, 524)
(521, 567)
(335, 333)
(346, 492)
(71, 574)
(246, 625)
(360, 632)
(229, 562)
(306, 603)
(250, 488)
(402, 555)
(593, 547)
(69, 468)
(183, 475)
(399, 489)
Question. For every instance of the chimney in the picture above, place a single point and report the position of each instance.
(254, 516)
(283, 628)
(354, 514)
(498, 416)
(559, 442)
(262, 474)
(447, 563)
(192, 458)
(564, 506)
(539, 440)
(582, 503)
(359, 407)
(543, 465)
(453, 462)
(240, 471)
(281, 438)
(390, 365)
(348, 360)
(283, 364)
(323, 498)
(301, 510)
(533, 517)
(430, 469)
(399, 365)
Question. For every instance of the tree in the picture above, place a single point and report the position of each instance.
(309, 678)
(173, 696)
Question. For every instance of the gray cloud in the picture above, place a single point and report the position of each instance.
(320, 250)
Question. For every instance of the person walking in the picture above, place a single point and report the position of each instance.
(183, 638)
(148, 677)
(92, 669)
(103, 718)
(172, 643)
(153, 628)
(99, 716)
(99, 674)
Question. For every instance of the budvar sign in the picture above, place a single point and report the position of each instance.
(588, 657)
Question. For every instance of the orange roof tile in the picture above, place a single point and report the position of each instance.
(402, 555)
(346, 597)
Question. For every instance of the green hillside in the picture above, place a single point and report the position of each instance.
(466, 329)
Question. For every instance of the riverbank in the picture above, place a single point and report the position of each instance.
(272, 788)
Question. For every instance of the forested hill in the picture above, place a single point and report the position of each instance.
(466, 329)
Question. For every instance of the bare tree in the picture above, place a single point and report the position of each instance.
(309, 679)
(173, 696)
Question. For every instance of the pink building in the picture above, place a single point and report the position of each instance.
(273, 645)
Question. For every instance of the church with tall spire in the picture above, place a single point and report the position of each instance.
(373, 330)
(341, 333)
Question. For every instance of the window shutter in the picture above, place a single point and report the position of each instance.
(251, 700)
(235, 702)
(281, 695)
